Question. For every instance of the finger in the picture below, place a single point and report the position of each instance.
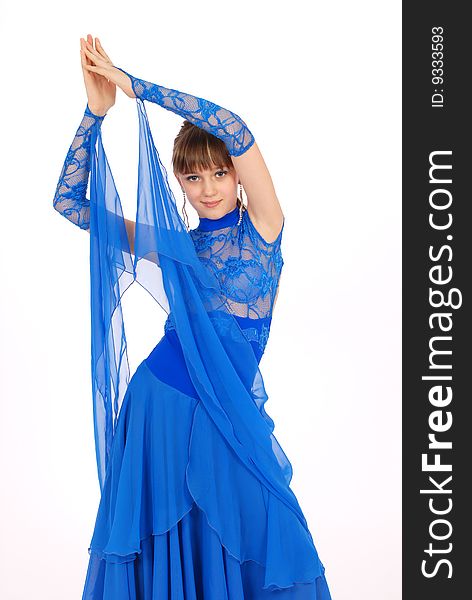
(92, 52)
(88, 40)
(101, 50)
(91, 49)
(83, 48)
(93, 69)
(93, 45)
(83, 58)
(94, 57)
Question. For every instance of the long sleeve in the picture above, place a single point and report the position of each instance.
(219, 121)
(70, 198)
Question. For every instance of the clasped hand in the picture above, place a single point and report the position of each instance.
(101, 77)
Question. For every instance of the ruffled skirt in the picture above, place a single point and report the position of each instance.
(181, 518)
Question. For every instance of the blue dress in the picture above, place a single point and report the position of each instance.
(175, 524)
(195, 497)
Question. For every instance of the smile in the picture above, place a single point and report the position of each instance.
(212, 204)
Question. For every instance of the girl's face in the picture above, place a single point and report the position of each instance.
(211, 192)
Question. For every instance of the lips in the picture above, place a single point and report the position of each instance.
(211, 204)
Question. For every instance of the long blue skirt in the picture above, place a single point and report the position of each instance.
(179, 516)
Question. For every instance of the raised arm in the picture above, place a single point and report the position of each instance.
(218, 121)
(263, 205)
(70, 199)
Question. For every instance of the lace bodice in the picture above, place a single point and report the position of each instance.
(247, 267)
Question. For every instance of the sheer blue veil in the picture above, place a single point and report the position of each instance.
(219, 358)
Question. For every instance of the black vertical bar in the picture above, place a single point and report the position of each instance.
(436, 129)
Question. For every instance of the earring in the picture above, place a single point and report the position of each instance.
(185, 212)
(241, 204)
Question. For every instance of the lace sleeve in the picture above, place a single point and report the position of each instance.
(70, 197)
(218, 121)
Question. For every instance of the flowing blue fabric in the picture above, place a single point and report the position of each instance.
(195, 488)
(220, 360)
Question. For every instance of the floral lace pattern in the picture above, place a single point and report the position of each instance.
(259, 336)
(248, 269)
(219, 121)
(70, 197)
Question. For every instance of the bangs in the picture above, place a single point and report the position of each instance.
(196, 149)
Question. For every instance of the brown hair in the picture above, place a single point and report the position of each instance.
(195, 148)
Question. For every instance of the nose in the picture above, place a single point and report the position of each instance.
(209, 189)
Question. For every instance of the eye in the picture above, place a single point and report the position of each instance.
(220, 174)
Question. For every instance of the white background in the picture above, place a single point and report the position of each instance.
(319, 86)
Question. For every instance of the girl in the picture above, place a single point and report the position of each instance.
(196, 501)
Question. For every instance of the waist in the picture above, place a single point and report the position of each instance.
(167, 362)
(256, 331)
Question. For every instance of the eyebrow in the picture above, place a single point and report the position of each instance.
(218, 168)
